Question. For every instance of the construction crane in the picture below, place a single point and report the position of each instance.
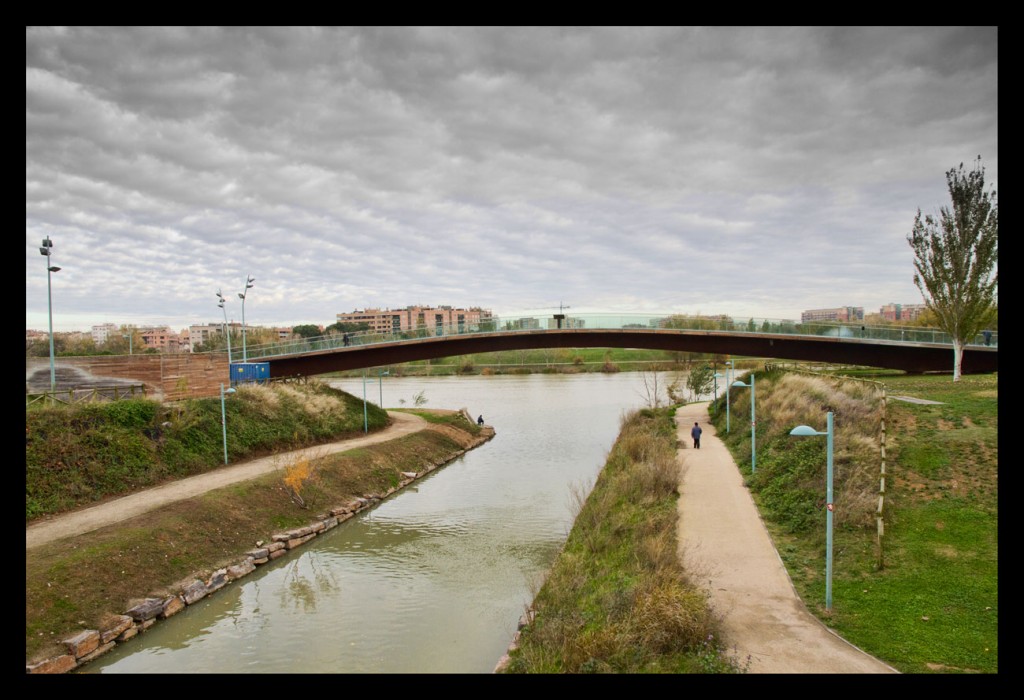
(547, 308)
(560, 316)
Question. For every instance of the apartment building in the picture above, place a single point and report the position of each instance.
(418, 317)
(161, 338)
(902, 312)
(103, 332)
(841, 313)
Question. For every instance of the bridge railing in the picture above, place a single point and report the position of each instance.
(530, 324)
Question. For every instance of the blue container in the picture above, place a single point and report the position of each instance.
(249, 372)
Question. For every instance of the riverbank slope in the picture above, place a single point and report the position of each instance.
(91, 589)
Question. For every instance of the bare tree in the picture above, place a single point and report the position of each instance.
(651, 391)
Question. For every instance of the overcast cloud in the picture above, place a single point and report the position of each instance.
(755, 172)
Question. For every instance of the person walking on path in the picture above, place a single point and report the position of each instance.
(725, 547)
(695, 432)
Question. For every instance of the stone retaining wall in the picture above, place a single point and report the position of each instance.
(90, 644)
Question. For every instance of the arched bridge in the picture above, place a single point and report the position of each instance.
(909, 349)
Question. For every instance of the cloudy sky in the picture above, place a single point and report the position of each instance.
(756, 172)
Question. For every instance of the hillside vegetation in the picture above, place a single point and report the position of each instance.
(81, 454)
(924, 596)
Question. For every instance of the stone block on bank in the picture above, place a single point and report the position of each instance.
(298, 541)
(57, 664)
(217, 581)
(241, 569)
(172, 606)
(194, 591)
(99, 651)
(146, 610)
(128, 634)
(82, 643)
(115, 627)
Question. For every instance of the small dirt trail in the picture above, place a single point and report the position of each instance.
(110, 512)
(725, 545)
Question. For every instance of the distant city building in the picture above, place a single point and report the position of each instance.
(413, 318)
(565, 322)
(841, 313)
(160, 338)
(198, 334)
(902, 312)
(102, 333)
(527, 323)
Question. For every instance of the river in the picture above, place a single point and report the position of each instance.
(433, 579)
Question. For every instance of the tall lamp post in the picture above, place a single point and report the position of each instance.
(806, 430)
(753, 424)
(380, 384)
(128, 335)
(46, 249)
(223, 419)
(718, 375)
(248, 286)
(728, 376)
(226, 333)
(366, 424)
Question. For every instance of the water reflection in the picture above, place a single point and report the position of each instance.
(431, 580)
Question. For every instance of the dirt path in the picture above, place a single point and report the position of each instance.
(95, 517)
(723, 540)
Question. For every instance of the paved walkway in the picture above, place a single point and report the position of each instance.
(725, 544)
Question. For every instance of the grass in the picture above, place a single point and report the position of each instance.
(925, 600)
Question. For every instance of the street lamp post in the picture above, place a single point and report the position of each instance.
(804, 430)
(226, 332)
(718, 375)
(753, 424)
(129, 337)
(366, 423)
(380, 384)
(728, 376)
(46, 249)
(223, 419)
(248, 286)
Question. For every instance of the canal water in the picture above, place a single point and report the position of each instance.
(435, 578)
